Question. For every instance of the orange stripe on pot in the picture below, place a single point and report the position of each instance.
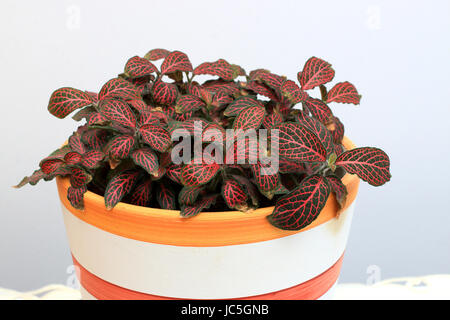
(205, 230)
(309, 290)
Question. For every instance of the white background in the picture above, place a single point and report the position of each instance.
(395, 52)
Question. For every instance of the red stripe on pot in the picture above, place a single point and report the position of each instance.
(309, 290)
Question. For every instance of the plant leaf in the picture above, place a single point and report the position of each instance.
(315, 126)
(164, 93)
(73, 158)
(176, 61)
(193, 210)
(318, 109)
(120, 146)
(339, 190)
(156, 54)
(119, 112)
(189, 102)
(118, 187)
(344, 92)
(315, 72)
(156, 137)
(91, 159)
(262, 89)
(197, 174)
(79, 177)
(188, 195)
(76, 144)
(75, 196)
(174, 172)
(338, 130)
(166, 197)
(301, 206)
(250, 118)
(142, 193)
(65, 100)
(241, 104)
(265, 182)
(219, 68)
(119, 88)
(147, 159)
(272, 120)
(370, 164)
(95, 138)
(50, 165)
(139, 67)
(234, 195)
(292, 91)
(299, 144)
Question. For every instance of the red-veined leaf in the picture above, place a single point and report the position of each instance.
(315, 72)
(188, 195)
(343, 92)
(189, 102)
(156, 137)
(221, 98)
(91, 159)
(301, 206)
(142, 193)
(76, 144)
(241, 104)
(220, 68)
(73, 158)
(176, 61)
(50, 165)
(174, 172)
(156, 54)
(320, 131)
(273, 80)
(166, 197)
(118, 187)
(120, 147)
(318, 109)
(370, 164)
(292, 91)
(300, 144)
(119, 112)
(221, 85)
(272, 120)
(93, 95)
(119, 88)
(139, 67)
(234, 195)
(250, 118)
(84, 113)
(149, 117)
(95, 138)
(265, 182)
(97, 118)
(339, 189)
(79, 177)
(289, 166)
(139, 105)
(75, 196)
(65, 100)
(197, 174)
(164, 93)
(193, 210)
(262, 89)
(147, 159)
(337, 130)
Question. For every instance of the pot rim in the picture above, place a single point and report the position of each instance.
(208, 228)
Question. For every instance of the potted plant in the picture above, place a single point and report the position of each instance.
(242, 186)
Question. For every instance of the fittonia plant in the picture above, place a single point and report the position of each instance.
(123, 148)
